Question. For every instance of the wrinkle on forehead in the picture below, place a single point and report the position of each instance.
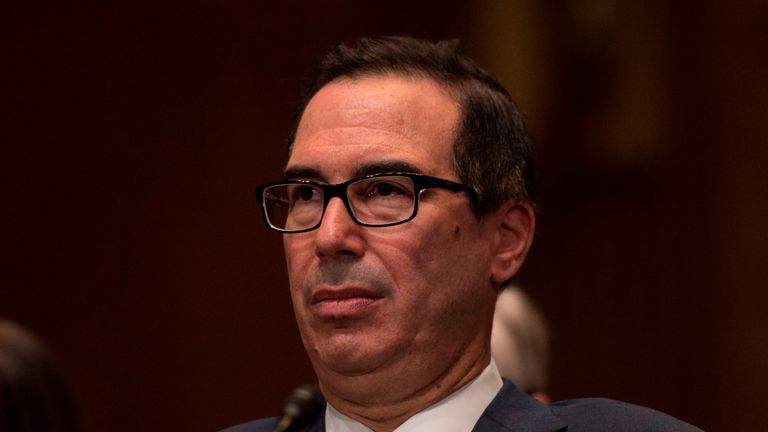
(355, 156)
(363, 137)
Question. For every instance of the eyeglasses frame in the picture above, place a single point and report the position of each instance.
(421, 182)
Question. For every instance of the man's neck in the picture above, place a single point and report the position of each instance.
(384, 414)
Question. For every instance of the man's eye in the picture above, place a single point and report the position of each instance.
(386, 189)
(305, 193)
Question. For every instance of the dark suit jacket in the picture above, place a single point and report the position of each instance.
(514, 411)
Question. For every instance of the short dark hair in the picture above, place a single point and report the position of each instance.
(492, 152)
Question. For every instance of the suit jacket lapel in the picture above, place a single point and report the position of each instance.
(514, 411)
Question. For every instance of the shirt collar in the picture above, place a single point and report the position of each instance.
(457, 413)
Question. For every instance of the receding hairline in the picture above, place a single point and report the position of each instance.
(445, 86)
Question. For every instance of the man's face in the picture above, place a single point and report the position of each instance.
(412, 297)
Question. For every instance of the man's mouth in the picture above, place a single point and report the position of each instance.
(343, 302)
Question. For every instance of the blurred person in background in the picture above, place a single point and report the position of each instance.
(520, 342)
(33, 394)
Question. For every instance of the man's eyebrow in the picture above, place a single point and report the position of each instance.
(386, 167)
(304, 172)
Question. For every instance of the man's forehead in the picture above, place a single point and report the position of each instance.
(341, 159)
(379, 101)
(375, 120)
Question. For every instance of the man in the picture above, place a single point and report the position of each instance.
(519, 342)
(406, 205)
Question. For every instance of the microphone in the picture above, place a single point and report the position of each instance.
(301, 407)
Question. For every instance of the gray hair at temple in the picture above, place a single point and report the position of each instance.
(520, 341)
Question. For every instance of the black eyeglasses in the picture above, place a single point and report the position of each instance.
(378, 200)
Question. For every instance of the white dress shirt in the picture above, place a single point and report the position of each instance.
(457, 413)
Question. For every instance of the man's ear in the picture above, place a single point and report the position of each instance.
(515, 223)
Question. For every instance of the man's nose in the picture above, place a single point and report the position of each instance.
(338, 233)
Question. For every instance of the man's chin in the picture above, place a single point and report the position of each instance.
(349, 360)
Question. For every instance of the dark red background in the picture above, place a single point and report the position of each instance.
(134, 133)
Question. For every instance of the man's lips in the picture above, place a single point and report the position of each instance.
(325, 294)
(343, 302)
